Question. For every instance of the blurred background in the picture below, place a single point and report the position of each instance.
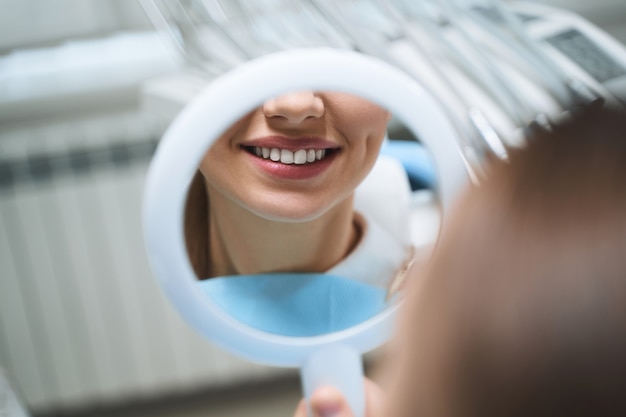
(87, 87)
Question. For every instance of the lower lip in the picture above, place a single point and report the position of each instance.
(294, 171)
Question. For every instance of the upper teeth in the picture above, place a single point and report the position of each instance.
(285, 156)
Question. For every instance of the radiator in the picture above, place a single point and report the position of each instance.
(82, 321)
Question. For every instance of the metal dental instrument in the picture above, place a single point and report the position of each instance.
(366, 41)
(413, 16)
(505, 30)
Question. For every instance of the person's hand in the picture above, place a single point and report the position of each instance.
(329, 402)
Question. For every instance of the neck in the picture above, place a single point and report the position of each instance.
(241, 242)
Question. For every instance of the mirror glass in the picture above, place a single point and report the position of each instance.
(304, 215)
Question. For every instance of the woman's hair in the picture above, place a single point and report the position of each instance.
(196, 226)
(529, 280)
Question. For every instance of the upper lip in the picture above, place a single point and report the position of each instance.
(291, 143)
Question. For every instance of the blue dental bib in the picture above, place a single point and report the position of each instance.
(295, 304)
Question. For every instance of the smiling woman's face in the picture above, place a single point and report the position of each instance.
(297, 155)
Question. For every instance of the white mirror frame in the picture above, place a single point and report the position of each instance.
(215, 109)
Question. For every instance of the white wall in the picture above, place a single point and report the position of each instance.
(28, 23)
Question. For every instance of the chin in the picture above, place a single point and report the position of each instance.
(289, 215)
(290, 210)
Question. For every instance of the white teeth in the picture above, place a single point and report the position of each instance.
(299, 157)
(285, 156)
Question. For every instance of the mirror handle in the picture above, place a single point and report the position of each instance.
(339, 366)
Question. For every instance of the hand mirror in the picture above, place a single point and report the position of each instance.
(264, 304)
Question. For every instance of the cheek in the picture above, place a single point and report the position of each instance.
(214, 165)
(370, 124)
(358, 117)
(365, 132)
(217, 163)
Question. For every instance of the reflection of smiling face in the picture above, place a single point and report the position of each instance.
(297, 155)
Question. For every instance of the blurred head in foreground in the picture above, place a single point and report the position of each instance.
(522, 311)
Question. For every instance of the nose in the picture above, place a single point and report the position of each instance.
(295, 107)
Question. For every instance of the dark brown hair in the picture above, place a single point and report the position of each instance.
(196, 225)
(529, 280)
